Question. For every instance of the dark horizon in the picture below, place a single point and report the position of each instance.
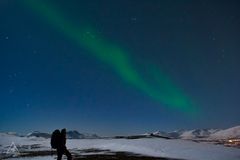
(106, 135)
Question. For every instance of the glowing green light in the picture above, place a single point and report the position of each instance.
(165, 92)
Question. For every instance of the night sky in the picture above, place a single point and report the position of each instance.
(119, 67)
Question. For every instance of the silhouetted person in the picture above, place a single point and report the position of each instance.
(62, 149)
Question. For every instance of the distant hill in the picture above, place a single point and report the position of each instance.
(196, 134)
(233, 132)
(38, 134)
(76, 135)
(70, 135)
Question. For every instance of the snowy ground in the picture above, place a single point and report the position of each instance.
(154, 147)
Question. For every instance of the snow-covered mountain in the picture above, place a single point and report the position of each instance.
(160, 133)
(176, 134)
(214, 134)
(197, 133)
(211, 134)
(76, 135)
(70, 134)
(38, 134)
(233, 132)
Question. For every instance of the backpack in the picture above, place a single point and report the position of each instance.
(55, 139)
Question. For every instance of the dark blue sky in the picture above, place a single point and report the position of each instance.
(48, 81)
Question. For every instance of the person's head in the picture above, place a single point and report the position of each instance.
(63, 131)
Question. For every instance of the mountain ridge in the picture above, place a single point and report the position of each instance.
(71, 134)
(210, 134)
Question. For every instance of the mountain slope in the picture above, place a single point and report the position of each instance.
(38, 134)
(197, 133)
(70, 135)
(233, 132)
(76, 135)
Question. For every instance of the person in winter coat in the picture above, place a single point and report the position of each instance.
(62, 149)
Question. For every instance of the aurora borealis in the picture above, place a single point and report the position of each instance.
(165, 92)
(154, 68)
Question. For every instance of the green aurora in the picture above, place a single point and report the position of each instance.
(165, 92)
